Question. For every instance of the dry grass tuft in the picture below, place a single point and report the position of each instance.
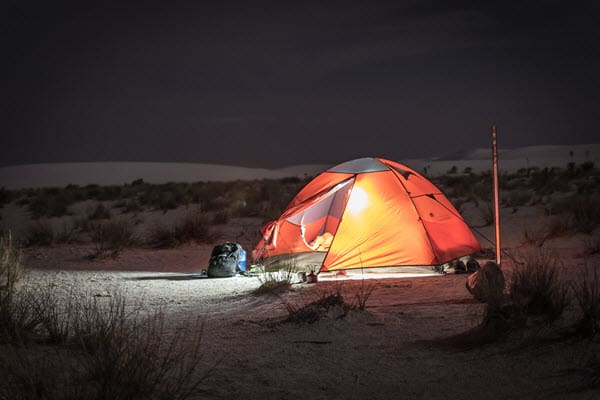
(39, 233)
(586, 213)
(98, 348)
(537, 287)
(591, 246)
(111, 237)
(330, 304)
(276, 282)
(587, 296)
(363, 295)
(10, 265)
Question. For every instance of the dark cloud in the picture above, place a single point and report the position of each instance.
(272, 85)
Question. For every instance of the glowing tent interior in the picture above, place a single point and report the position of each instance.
(367, 213)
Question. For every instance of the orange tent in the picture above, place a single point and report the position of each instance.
(366, 213)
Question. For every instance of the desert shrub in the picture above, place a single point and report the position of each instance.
(111, 237)
(314, 311)
(276, 282)
(109, 193)
(331, 304)
(49, 203)
(558, 206)
(586, 166)
(194, 228)
(165, 197)
(533, 236)
(39, 233)
(19, 322)
(517, 198)
(54, 316)
(587, 186)
(483, 190)
(131, 206)
(167, 201)
(586, 213)
(536, 287)
(546, 181)
(587, 296)
(161, 237)
(15, 313)
(66, 233)
(591, 246)
(221, 217)
(107, 352)
(266, 198)
(5, 196)
(362, 295)
(452, 170)
(559, 227)
(538, 235)
(10, 264)
(100, 212)
(487, 213)
(101, 193)
(83, 225)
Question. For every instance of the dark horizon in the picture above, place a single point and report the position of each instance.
(273, 85)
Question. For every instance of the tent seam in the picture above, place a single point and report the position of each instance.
(339, 223)
(419, 214)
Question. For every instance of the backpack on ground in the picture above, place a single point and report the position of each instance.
(224, 260)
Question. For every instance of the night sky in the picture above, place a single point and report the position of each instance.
(275, 84)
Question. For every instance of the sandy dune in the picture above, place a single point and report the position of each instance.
(118, 173)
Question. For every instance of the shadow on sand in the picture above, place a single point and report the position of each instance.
(169, 277)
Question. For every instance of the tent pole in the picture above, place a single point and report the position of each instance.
(496, 192)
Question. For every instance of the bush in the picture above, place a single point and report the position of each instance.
(591, 246)
(533, 236)
(363, 295)
(40, 233)
(49, 204)
(221, 217)
(587, 296)
(111, 237)
(100, 212)
(66, 234)
(331, 303)
(104, 351)
(10, 265)
(15, 315)
(586, 213)
(517, 198)
(5, 196)
(537, 288)
(537, 236)
(131, 206)
(277, 281)
(194, 228)
(314, 311)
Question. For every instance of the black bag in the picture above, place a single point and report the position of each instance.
(224, 260)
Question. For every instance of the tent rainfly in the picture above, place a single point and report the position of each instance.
(367, 213)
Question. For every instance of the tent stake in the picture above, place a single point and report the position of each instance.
(496, 193)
